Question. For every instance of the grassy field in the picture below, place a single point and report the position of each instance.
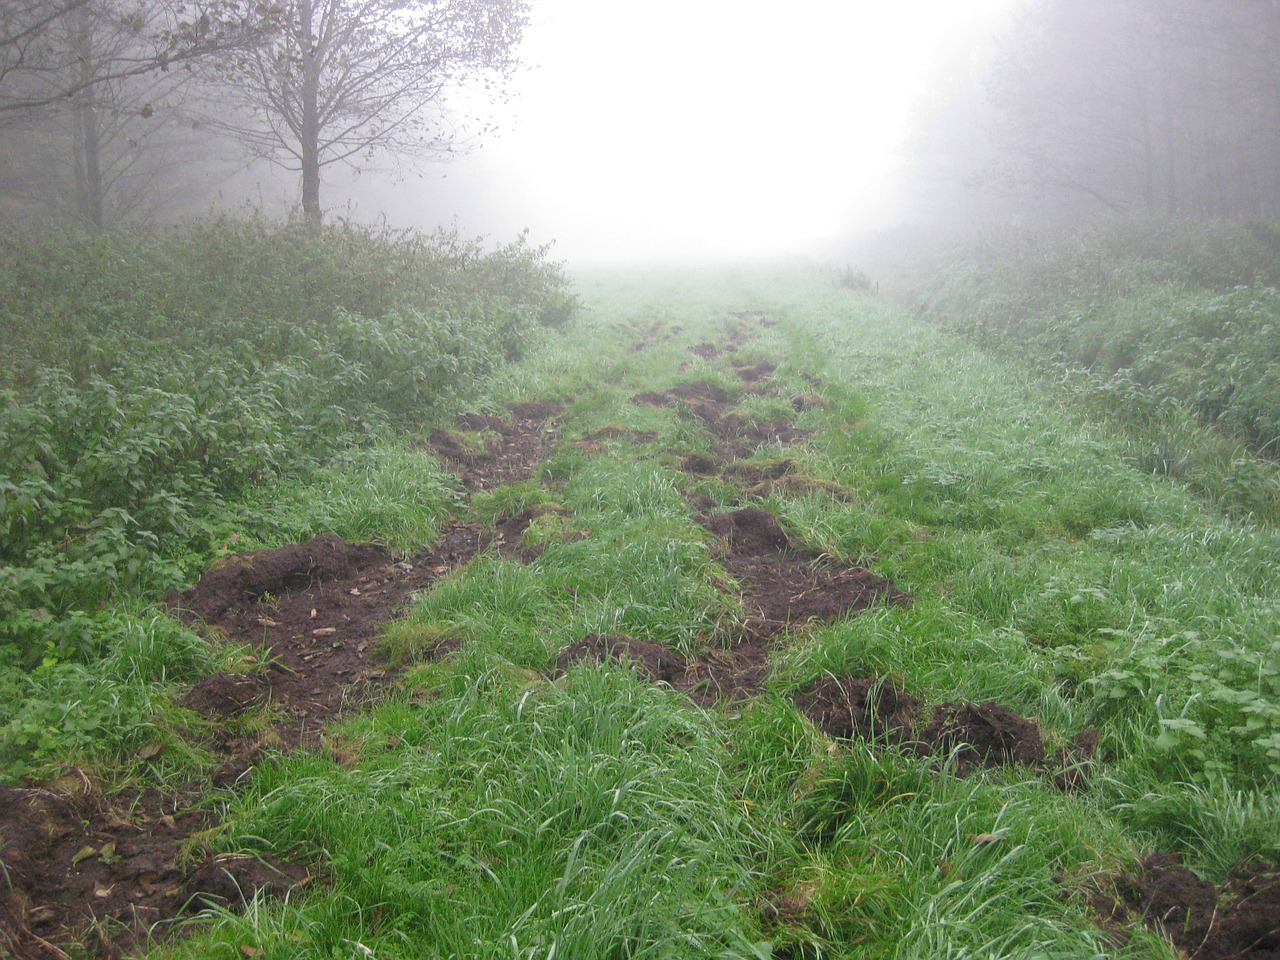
(504, 800)
(496, 808)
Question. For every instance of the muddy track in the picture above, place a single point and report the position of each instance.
(106, 872)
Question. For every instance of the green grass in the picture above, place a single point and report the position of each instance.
(493, 808)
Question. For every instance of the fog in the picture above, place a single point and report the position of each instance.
(696, 131)
(691, 131)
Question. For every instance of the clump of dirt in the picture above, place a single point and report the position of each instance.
(784, 584)
(1237, 919)
(731, 673)
(753, 373)
(705, 400)
(739, 437)
(650, 660)
(982, 734)
(521, 443)
(225, 694)
(976, 734)
(321, 622)
(859, 709)
(246, 578)
(230, 880)
(699, 463)
(808, 401)
(749, 473)
(749, 532)
(109, 868)
(706, 350)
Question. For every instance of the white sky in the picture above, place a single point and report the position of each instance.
(703, 129)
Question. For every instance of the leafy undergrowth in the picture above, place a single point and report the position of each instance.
(797, 629)
(164, 401)
(1170, 329)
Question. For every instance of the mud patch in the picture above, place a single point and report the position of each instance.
(736, 436)
(247, 578)
(706, 350)
(732, 673)
(226, 694)
(705, 400)
(108, 870)
(784, 584)
(651, 660)
(865, 709)
(520, 445)
(320, 626)
(982, 734)
(754, 373)
(699, 464)
(1239, 918)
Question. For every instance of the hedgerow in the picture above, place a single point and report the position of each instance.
(153, 380)
(1160, 325)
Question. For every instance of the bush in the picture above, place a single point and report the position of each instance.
(154, 380)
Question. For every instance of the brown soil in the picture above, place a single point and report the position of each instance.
(982, 734)
(109, 870)
(77, 860)
(706, 350)
(706, 401)
(522, 442)
(755, 372)
(975, 735)
(785, 585)
(737, 436)
(859, 709)
(1239, 918)
(651, 660)
(699, 463)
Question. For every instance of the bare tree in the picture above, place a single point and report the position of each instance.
(347, 79)
(101, 137)
(38, 69)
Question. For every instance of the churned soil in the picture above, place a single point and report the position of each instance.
(705, 400)
(785, 584)
(1234, 920)
(110, 870)
(651, 660)
(513, 451)
(317, 609)
(859, 709)
(100, 870)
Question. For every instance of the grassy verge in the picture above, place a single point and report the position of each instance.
(1166, 329)
(497, 808)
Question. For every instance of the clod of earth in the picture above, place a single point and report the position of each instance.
(785, 584)
(651, 660)
(1238, 919)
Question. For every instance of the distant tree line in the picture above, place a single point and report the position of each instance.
(1123, 107)
(112, 110)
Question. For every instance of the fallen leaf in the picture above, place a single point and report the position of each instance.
(980, 838)
(354, 591)
(267, 622)
(249, 951)
(101, 892)
(313, 613)
(324, 632)
(151, 750)
(84, 853)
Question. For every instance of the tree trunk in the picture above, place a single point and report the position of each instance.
(88, 132)
(309, 141)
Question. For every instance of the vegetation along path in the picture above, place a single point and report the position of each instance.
(754, 619)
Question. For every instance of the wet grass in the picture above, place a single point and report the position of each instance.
(496, 809)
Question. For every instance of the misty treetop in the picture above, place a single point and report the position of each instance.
(1112, 107)
(129, 107)
(345, 80)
